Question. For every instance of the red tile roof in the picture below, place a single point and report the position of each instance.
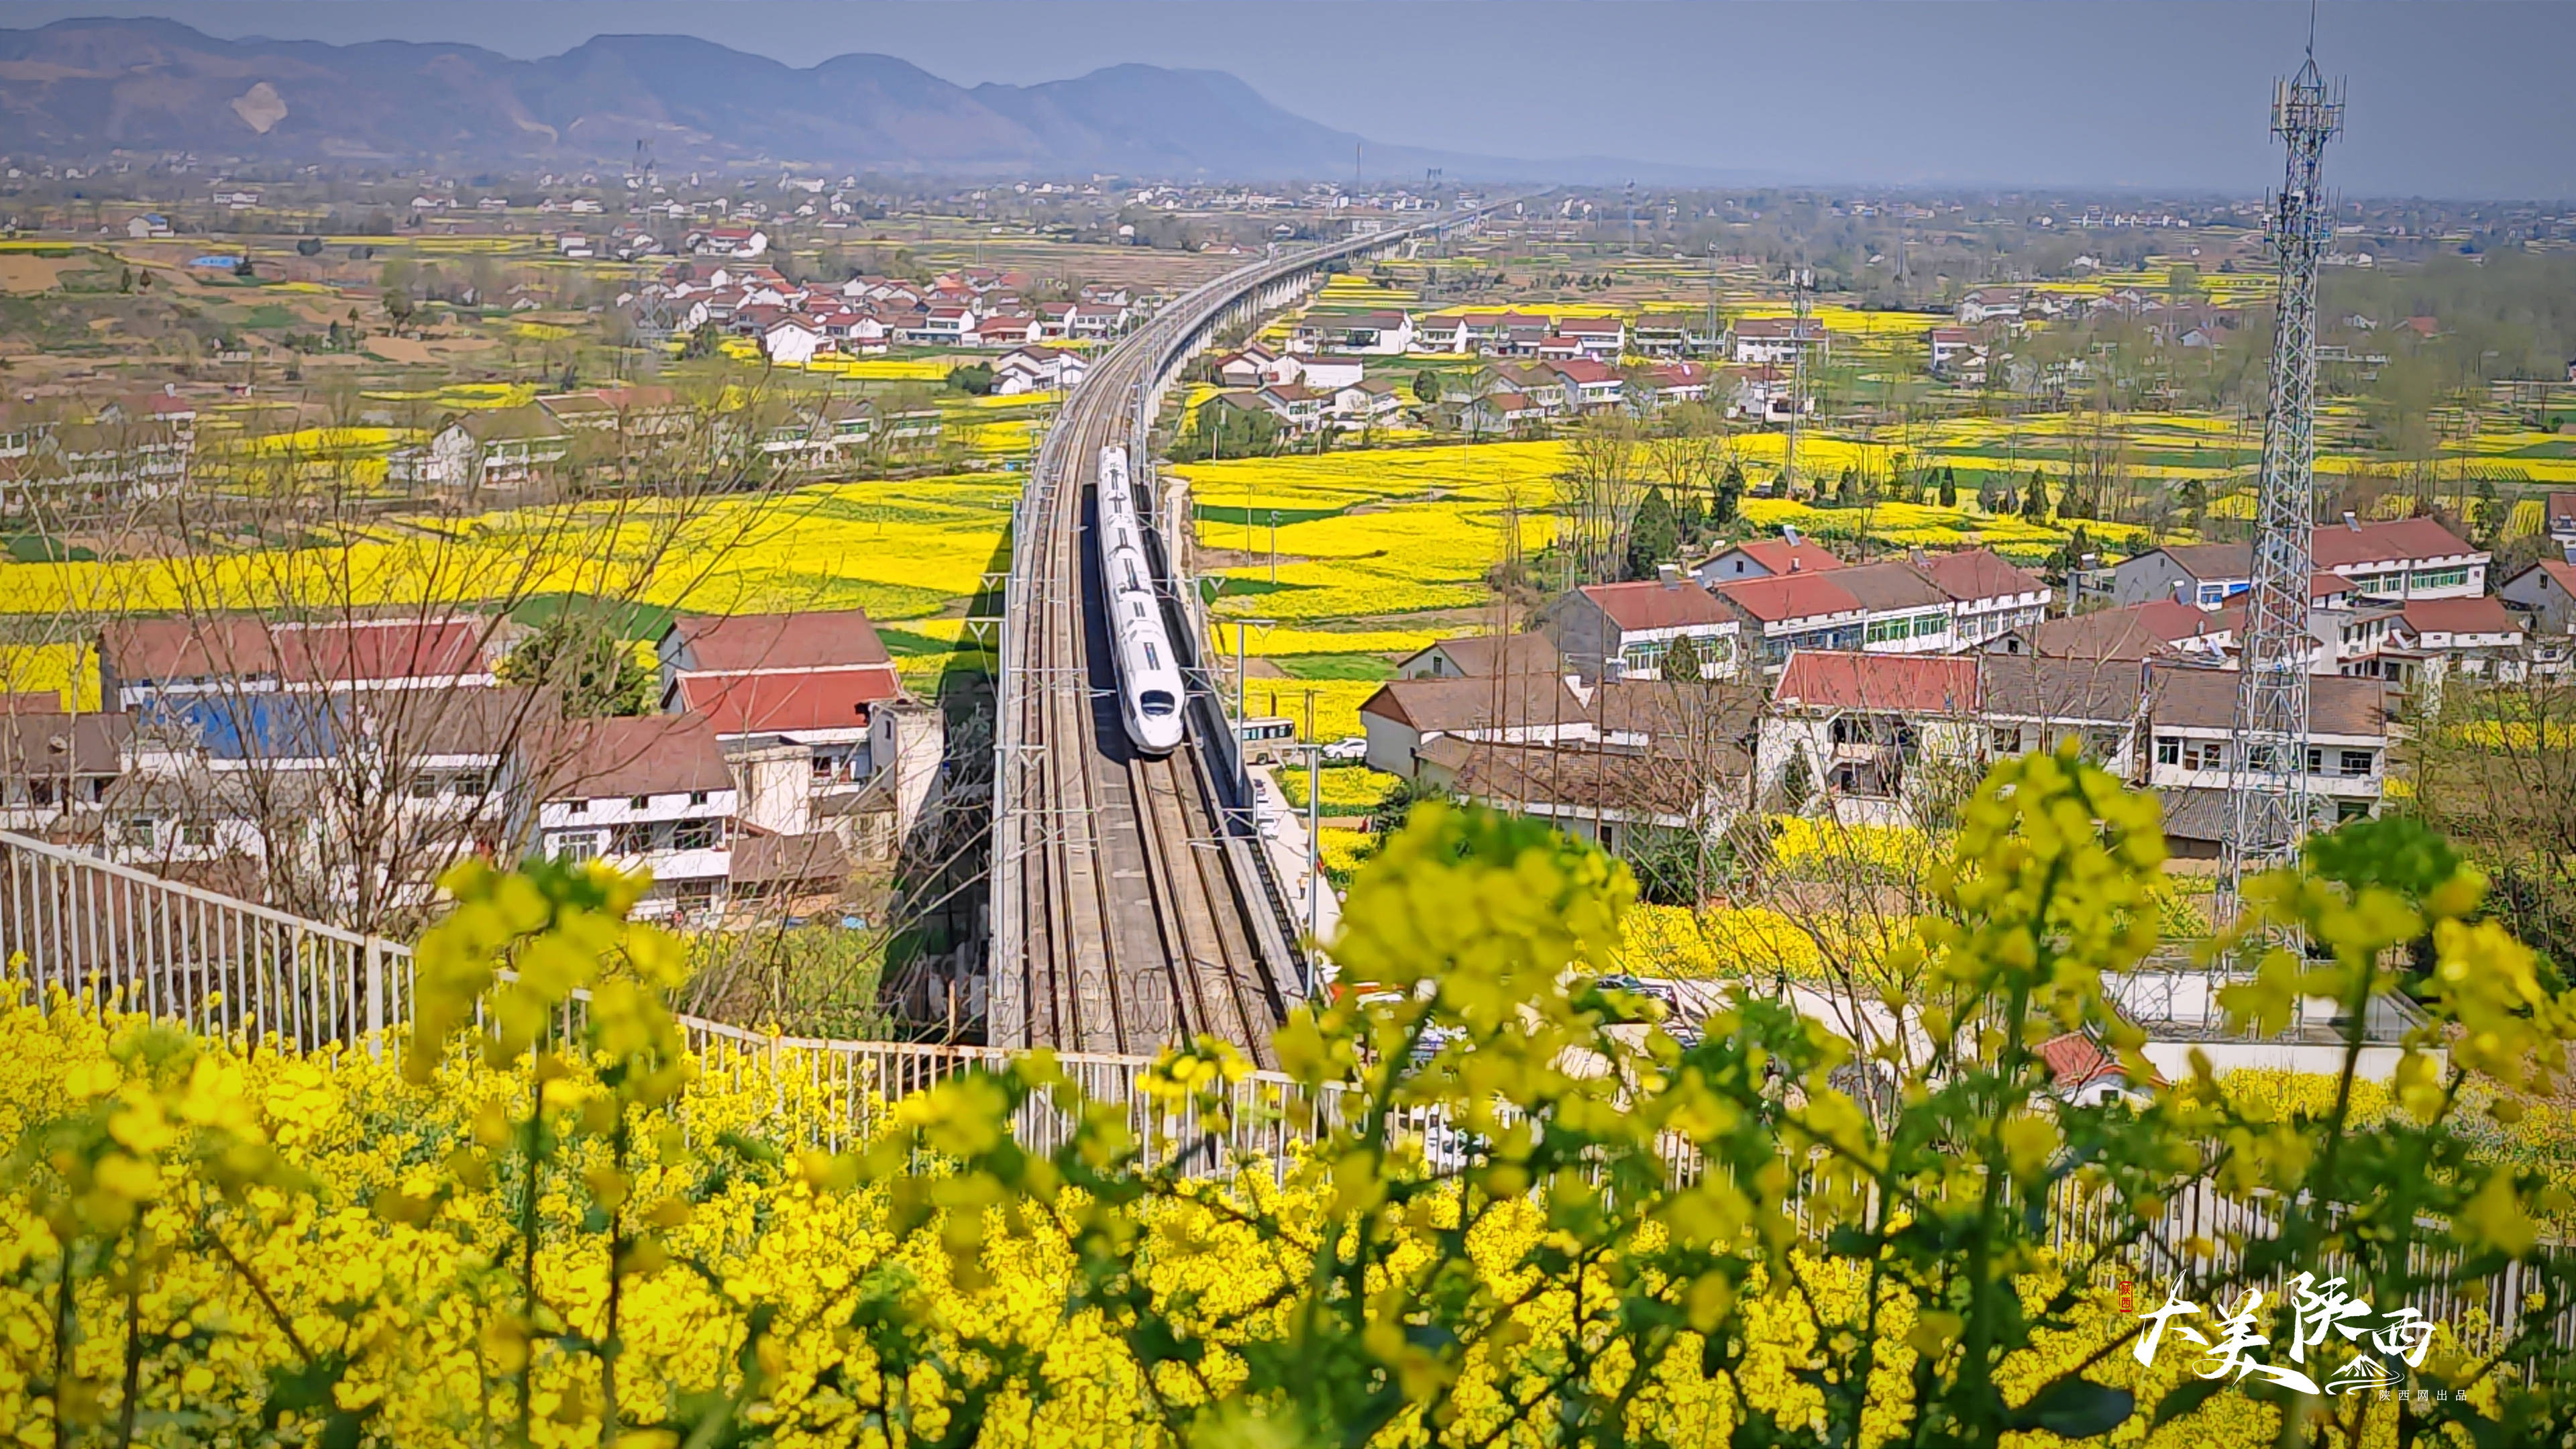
(793, 700)
(1979, 573)
(2482, 615)
(778, 641)
(654, 754)
(1653, 604)
(1911, 683)
(1789, 596)
(356, 652)
(1781, 556)
(2338, 545)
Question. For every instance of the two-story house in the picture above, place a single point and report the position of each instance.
(1776, 340)
(1624, 631)
(1989, 597)
(1763, 559)
(646, 793)
(1876, 735)
(2191, 722)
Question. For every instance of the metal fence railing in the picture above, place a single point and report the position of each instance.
(90, 926)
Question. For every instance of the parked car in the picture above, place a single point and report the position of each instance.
(1346, 750)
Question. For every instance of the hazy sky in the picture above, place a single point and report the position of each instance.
(2447, 98)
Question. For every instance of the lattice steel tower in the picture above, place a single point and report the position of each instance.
(2269, 759)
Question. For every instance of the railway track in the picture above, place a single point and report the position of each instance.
(1132, 905)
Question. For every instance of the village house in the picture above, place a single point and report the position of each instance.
(2191, 717)
(1764, 558)
(1624, 631)
(2029, 703)
(1598, 337)
(2406, 558)
(1589, 386)
(490, 448)
(54, 765)
(2479, 638)
(1789, 612)
(1482, 656)
(141, 660)
(1406, 714)
(1613, 795)
(1875, 734)
(646, 793)
(1989, 595)
(1439, 336)
(1888, 607)
(1373, 333)
(1768, 340)
(1038, 369)
(2156, 629)
(739, 242)
(2558, 513)
(1992, 304)
(1370, 403)
(2546, 592)
(1662, 334)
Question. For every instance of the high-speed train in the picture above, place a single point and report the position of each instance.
(1149, 674)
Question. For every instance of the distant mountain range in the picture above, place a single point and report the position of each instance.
(86, 86)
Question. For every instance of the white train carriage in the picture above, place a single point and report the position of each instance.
(1150, 690)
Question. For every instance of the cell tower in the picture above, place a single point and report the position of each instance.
(2268, 765)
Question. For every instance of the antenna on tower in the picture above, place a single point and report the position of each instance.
(2268, 758)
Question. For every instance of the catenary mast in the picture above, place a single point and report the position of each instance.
(2269, 753)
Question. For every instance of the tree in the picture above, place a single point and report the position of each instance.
(1949, 486)
(1653, 535)
(1682, 663)
(587, 663)
(1426, 387)
(2194, 497)
(2034, 498)
(1689, 516)
(310, 246)
(1847, 488)
(243, 268)
(974, 379)
(1797, 782)
(398, 306)
(2489, 518)
(703, 341)
(1726, 503)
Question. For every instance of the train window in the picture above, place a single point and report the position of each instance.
(1136, 607)
(1153, 660)
(1155, 702)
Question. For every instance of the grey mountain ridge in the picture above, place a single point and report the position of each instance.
(86, 86)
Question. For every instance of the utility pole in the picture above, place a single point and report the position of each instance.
(1800, 279)
(2268, 758)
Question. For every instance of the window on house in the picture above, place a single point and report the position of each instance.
(423, 786)
(1928, 626)
(697, 797)
(577, 807)
(694, 835)
(138, 832)
(197, 833)
(695, 895)
(2357, 764)
(2191, 754)
(577, 845)
(2440, 579)
(2004, 740)
(639, 802)
(472, 785)
(630, 839)
(1886, 631)
(1644, 655)
(40, 793)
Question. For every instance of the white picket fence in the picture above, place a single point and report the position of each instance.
(85, 924)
